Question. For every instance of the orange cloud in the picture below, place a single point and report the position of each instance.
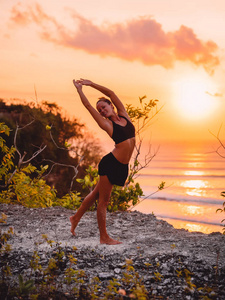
(141, 39)
(18, 17)
(215, 94)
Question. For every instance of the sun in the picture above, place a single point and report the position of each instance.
(193, 100)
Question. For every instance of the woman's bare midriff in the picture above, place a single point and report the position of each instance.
(124, 150)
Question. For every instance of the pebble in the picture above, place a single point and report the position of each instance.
(117, 270)
(104, 276)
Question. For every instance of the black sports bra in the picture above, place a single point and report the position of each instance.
(123, 133)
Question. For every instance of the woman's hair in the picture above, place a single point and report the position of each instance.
(104, 100)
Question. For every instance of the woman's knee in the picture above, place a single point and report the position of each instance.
(103, 202)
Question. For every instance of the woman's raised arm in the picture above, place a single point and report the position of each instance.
(103, 123)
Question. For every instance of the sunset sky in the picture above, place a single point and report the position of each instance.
(169, 50)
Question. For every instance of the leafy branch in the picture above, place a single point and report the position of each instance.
(221, 144)
(141, 117)
(22, 156)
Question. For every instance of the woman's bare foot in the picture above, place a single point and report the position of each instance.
(74, 223)
(109, 241)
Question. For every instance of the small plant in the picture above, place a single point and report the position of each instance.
(190, 285)
(31, 192)
(157, 276)
(35, 262)
(112, 289)
(5, 249)
(124, 197)
(7, 155)
(71, 200)
(3, 218)
(94, 288)
(222, 210)
(187, 276)
(132, 282)
(25, 287)
(90, 179)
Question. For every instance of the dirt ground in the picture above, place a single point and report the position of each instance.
(139, 233)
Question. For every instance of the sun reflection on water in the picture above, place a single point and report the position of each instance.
(195, 187)
(194, 173)
(191, 210)
(195, 164)
(196, 227)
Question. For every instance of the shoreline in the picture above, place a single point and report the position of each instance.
(191, 216)
(193, 226)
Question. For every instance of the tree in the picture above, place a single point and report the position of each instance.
(42, 129)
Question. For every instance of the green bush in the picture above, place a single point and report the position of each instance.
(25, 185)
(121, 197)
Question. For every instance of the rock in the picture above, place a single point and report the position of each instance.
(117, 271)
(105, 275)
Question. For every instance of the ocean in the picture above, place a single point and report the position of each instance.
(194, 177)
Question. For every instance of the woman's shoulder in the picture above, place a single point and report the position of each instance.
(124, 115)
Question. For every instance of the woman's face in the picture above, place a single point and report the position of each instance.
(104, 109)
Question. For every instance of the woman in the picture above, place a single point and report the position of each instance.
(113, 168)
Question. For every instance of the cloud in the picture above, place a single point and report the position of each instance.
(19, 17)
(215, 94)
(142, 39)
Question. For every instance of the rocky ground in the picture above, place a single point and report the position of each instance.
(172, 263)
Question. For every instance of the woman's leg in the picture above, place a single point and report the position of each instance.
(105, 188)
(86, 204)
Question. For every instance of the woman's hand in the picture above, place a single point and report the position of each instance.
(77, 84)
(85, 81)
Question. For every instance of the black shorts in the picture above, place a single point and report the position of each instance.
(115, 171)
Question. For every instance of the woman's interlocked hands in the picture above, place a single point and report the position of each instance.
(78, 83)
